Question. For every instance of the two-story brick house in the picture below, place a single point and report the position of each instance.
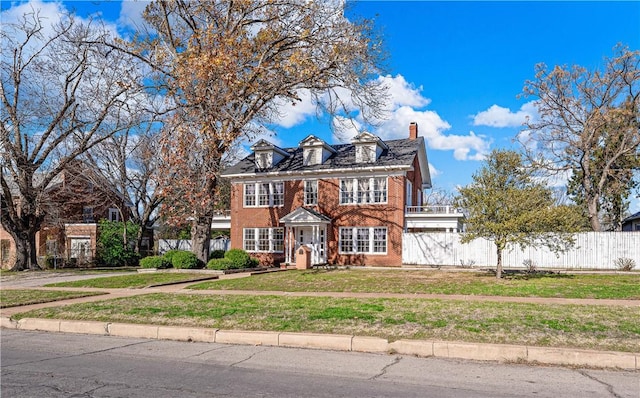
(345, 202)
(73, 204)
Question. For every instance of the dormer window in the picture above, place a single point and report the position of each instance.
(366, 153)
(311, 156)
(368, 147)
(263, 160)
(267, 155)
(315, 151)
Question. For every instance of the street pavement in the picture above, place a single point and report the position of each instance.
(39, 364)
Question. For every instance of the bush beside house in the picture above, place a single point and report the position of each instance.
(233, 259)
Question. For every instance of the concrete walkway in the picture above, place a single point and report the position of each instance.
(461, 350)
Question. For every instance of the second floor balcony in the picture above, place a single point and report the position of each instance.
(440, 218)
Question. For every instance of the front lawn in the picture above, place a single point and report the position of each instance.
(14, 298)
(598, 286)
(578, 326)
(135, 281)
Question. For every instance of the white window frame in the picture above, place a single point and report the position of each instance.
(249, 198)
(409, 193)
(273, 197)
(352, 195)
(310, 192)
(113, 211)
(254, 240)
(371, 244)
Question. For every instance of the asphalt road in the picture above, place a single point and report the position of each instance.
(36, 364)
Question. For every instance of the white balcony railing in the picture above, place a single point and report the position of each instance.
(432, 210)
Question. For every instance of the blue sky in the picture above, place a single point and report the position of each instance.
(456, 67)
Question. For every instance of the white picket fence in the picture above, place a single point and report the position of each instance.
(165, 245)
(593, 250)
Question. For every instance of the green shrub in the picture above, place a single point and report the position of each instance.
(238, 257)
(169, 254)
(221, 264)
(112, 251)
(158, 262)
(185, 260)
(217, 254)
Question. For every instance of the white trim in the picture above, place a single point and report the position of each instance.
(325, 173)
(256, 194)
(256, 239)
(371, 240)
(371, 191)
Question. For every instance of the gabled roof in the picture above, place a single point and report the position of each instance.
(399, 154)
(264, 145)
(368, 138)
(635, 216)
(312, 140)
(303, 215)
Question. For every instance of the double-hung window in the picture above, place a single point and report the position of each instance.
(264, 194)
(249, 195)
(311, 192)
(346, 191)
(263, 240)
(278, 194)
(363, 240)
(363, 190)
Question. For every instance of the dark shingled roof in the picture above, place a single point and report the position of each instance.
(400, 153)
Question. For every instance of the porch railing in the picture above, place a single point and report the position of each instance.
(432, 210)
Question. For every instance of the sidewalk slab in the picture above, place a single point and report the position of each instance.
(133, 330)
(247, 337)
(421, 348)
(480, 352)
(339, 342)
(180, 333)
(564, 356)
(45, 325)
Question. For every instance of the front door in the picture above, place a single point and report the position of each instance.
(305, 236)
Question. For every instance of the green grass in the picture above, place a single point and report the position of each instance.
(578, 326)
(598, 286)
(133, 281)
(14, 298)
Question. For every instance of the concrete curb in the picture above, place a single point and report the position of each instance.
(421, 348)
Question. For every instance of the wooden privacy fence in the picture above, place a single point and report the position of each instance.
(593, 250)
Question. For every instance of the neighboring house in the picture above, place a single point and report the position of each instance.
(631, 223)
(348, 203)
(75, 202)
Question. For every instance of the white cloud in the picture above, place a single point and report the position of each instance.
(402, 93)
(131, 13)
(294, 113)
(497, 116)
(345, 129)
(433, 171)
(433, 127)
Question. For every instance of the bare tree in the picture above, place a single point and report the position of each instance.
(589, 126)
(229, 66)
(129, 163)
(61, 95)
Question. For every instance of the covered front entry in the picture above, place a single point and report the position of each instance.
(305, 227)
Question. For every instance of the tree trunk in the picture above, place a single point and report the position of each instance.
(499, 265)
(26, 256)
(200, 237)
(592, 208)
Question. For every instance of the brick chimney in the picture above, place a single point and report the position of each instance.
(413, 130)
